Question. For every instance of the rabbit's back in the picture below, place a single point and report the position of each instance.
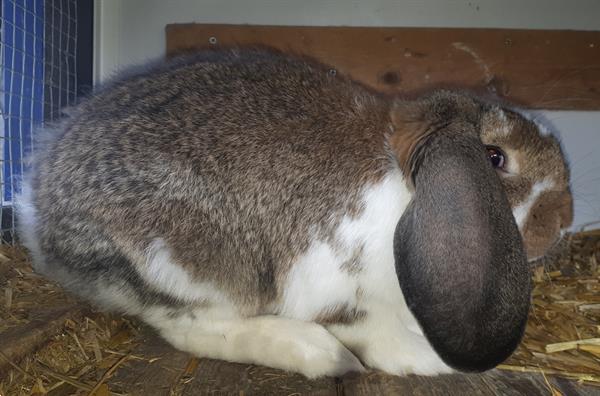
(230, 162)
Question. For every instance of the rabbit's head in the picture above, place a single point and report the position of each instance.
(535, 176)
(460, 258)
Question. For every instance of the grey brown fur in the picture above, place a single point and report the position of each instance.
(238, 160)
(195, 153)
(353, 264)
(340, 314)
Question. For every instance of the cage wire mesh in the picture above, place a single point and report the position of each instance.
(38, 78)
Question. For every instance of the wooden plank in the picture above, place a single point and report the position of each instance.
(217, 376)
(494, 382)
(157, 372)
(177, 373)
(568, 387)
(378, 383)
(17, 342)
(512, 384)
(548, 69)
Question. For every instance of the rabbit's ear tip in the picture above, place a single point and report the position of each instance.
(459, 256)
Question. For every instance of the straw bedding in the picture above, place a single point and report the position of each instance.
(70, 349)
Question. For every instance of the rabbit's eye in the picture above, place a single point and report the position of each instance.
(496, 157)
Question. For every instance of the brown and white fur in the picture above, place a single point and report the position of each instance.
(253, 207)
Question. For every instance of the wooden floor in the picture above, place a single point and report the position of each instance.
(37, 320)
(177, 373)
(153, 367)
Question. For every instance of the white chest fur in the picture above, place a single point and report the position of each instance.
(388, 336)
(319, 281)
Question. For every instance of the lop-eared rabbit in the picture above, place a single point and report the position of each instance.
(253, 207)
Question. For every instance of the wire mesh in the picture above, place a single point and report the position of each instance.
(38, 78)
(60, 78)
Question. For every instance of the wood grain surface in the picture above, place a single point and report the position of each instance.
(167, 371)
(544, 69)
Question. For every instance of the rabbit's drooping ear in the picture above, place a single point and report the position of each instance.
(458, 252)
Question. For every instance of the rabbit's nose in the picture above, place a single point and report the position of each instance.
(552, 213)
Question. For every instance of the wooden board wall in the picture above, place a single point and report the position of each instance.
(547, 69)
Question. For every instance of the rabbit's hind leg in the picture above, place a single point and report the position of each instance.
(279, 342)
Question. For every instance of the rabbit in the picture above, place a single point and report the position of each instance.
(253, 207)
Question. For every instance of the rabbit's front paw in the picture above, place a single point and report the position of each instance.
(274, 341)
(311, 350)
(409, 354)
